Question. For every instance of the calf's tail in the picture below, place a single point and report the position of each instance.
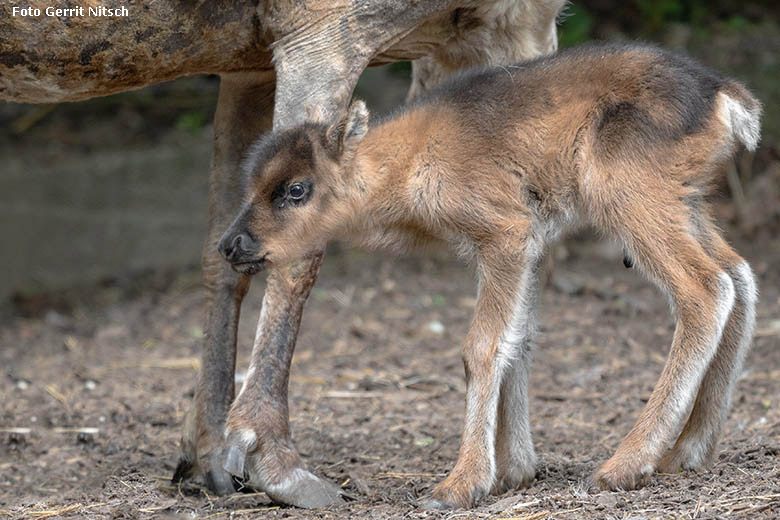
(741, 113)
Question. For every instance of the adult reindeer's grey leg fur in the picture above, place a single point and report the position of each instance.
(244, 111)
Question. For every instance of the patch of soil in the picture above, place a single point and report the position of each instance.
(97, 396)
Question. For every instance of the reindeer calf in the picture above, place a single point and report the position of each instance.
(498, 164)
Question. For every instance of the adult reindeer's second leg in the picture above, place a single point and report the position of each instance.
(244, 111)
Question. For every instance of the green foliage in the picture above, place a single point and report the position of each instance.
(191, 122)
(656, 13)
(576, 26)
(438, 300)
(401, 68)
(586, 19)
(738, 23)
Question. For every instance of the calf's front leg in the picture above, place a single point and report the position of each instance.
(515, 454)
(490, 349)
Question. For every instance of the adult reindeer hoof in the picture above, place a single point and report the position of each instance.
(622, 473)
(216, 479)
(299, 488)
(182, 472)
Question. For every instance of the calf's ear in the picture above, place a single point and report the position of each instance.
(345, 135)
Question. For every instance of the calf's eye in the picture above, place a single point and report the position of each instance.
(296, 191)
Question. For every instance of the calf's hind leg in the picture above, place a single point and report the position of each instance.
(703, 296)
(695, 447)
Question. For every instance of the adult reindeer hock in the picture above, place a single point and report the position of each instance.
(498, 164)
(281, 63)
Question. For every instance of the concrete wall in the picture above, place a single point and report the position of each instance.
(70, 218)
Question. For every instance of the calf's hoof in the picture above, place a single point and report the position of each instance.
(679, 458)
(432, 503)
(672, 462)
(516, 478)
(622, 473)
(453, 494)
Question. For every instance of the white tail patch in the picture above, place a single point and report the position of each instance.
(744, 123)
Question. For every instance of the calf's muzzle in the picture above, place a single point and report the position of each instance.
(242, 250)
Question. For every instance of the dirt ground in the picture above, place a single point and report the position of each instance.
(102, 378)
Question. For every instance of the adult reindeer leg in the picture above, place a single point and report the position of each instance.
(244, 111)
(258, 446)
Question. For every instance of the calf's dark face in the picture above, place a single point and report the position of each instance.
(278, 221)
(294, 194)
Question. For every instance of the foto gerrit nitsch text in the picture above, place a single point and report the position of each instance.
(100, 11)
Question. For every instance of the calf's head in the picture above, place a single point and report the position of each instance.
(296, 192)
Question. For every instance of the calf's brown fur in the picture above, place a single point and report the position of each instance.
(498, 164)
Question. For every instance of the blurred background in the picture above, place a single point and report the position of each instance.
(112, 191)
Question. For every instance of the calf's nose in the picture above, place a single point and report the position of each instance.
(232, 248)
